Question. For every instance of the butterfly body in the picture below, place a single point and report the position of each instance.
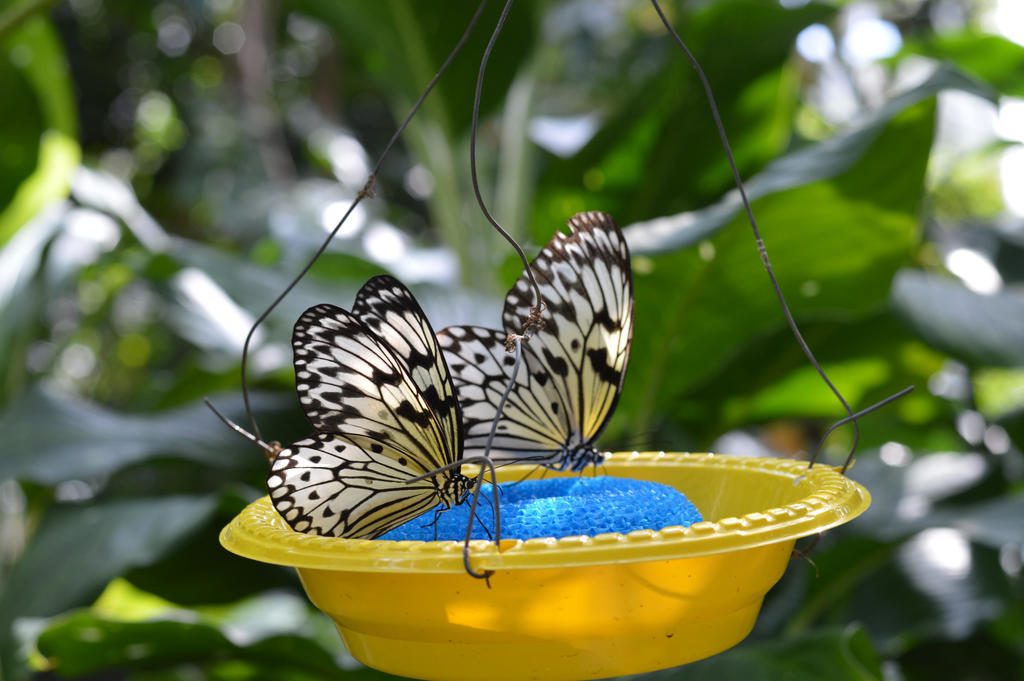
(573, 364)
(376, 388)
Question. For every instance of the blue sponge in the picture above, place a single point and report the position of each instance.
(561, 507)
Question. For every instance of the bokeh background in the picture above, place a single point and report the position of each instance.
(166, 168)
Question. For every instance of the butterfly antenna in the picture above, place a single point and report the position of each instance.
(529, 473)
(269, 450)
(537, 310)
(761, 249)
(366, 191)
(483, 525)
(491, 504)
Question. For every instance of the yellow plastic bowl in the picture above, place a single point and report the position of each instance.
(575, 607)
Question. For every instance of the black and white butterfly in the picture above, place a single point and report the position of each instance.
(573, 366)
(378, 391)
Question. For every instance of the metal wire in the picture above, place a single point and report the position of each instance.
(472, 156)
(366, 191)
(761, 249)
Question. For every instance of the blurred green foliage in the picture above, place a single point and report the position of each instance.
(166, 169)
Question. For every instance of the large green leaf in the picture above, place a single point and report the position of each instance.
(21, 293)
(995, 522)
(983, 330)
(71, 646)
(335, 279)
(38, 147)
(225, 577)
(78, 549)
(867, 360)
(982, 657)
(920, 563)
(834, 654)
(993, 59)
(51, 436)
(811, 164)
(23, 125)
(84, 644)
(402, 44)
(930, 590)
(835, 244)
(659, 127)
(273, 636)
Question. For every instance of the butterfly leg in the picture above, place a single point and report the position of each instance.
(484, 525)
(437, 519)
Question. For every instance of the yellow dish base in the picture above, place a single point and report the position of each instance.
(571, 608)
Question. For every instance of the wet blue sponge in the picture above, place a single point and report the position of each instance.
(561, 507)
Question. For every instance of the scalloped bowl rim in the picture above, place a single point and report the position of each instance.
(259, 533)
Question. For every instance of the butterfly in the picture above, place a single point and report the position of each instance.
(574, 365)
(378, 392)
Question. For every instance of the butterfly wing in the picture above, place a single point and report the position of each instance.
(342, 486)
(534, 422)
(387, 307)
(375, 386)
(351, 381)
(574, 365)
(586, 282)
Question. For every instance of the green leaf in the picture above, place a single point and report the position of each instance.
(21, 293)
(84, 644)
(812, 164)
(996, 522)
(52, 436)
(992, 59)
(38, 144)
(659, 128)
(78, 549)
(402, 43)
(334, 280)
(874, 357)
(19, 139)
(835, 244)
(931, 589)
(920, 563)
(980, 656)
(798, 394)
(263, 638)
(834, 654)
(982, 330)
(225, 577)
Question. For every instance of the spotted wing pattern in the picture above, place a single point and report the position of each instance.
(376, 388)
(573, 367)
(534, 424)
(347, 486)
